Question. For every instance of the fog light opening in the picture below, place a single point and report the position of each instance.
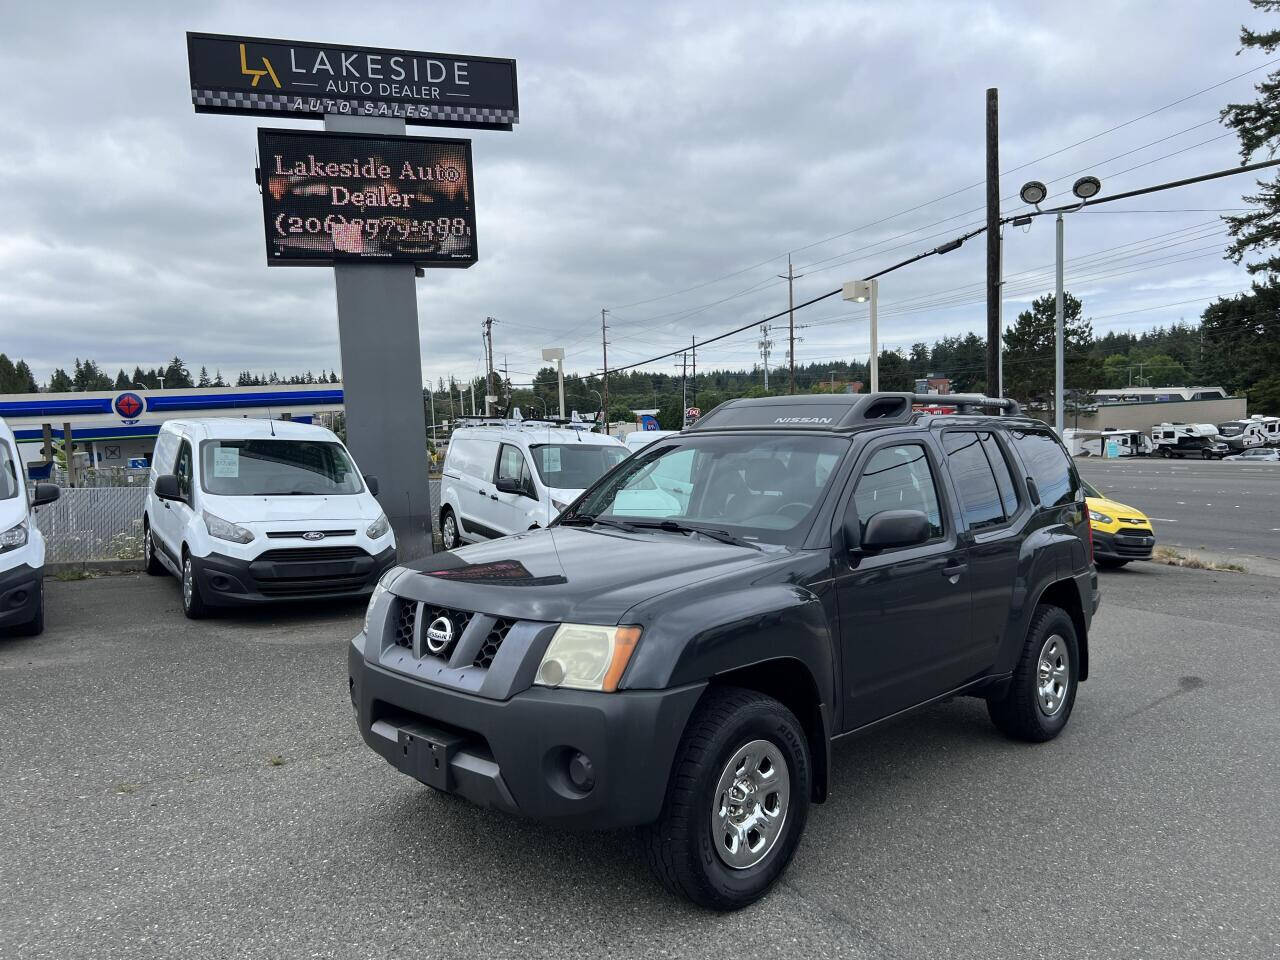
(581, 772)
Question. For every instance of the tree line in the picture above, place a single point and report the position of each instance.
(86, 375)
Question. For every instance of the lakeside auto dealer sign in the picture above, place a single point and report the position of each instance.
(249, 75)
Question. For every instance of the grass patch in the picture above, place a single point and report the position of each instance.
(72, 573)
(1171, 557)
(275, 760)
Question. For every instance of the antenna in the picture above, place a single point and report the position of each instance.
(271, 422)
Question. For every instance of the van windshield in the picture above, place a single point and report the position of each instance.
(272, 467)
(575, 466)
(8, 473)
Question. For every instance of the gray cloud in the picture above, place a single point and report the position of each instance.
(660, 146)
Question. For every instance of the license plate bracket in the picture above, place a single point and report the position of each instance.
(427, 753)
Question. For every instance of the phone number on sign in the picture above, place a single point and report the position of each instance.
(373, 228)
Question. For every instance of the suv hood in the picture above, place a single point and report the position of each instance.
(570, 574)
(304, 509)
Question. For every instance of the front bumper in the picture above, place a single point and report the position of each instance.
(19, 595)
(230, 581)
(513, 754)
(1136, 543)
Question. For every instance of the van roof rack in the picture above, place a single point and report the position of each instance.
(840, 411)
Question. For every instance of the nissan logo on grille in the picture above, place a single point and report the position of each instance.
(439, 635)
(313, 535)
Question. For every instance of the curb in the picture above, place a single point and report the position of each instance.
(92, 566)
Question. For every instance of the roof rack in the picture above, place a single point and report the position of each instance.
(839, 411)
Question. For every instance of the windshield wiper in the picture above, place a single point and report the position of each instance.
(675, 526)
(587, 520)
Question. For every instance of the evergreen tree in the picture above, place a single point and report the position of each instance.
(204, 380)
(218, 381)
(1029, 351)
(59, 382)
(122, 381)
(26, 380)
(176, 374)
(8, 375)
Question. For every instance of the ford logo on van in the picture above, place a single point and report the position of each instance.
(313, 535)
(439, 635)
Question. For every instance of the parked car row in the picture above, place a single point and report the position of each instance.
(1205, 441)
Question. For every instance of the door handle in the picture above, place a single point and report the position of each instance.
(493, 496)
(955, 568)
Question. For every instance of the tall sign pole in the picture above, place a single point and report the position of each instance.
(604, 346)
(993, 240)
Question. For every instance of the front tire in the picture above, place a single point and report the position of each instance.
(193, 604)
(449, 535)
(736, 802)
(1042, 691)
(150, 563)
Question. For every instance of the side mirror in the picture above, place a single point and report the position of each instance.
(895, 528)
(508, 485)
(167, 487)
(45, 493)
(372, 484)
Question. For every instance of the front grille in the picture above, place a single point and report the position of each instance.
(403, 618)
(310, 586)
(458, 618)
(297, 534)
(313, 554)
(489, 649)
(1134, 520)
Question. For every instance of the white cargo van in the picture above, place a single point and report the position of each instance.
(507, 476)
(250, 511)
(21, 544)
(639, 439)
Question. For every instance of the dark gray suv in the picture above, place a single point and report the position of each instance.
(679, 649)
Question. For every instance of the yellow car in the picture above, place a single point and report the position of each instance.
(1120, 533)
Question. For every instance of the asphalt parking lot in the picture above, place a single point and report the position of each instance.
(198, 789)
(1219, 506)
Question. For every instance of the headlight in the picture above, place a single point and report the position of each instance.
(1100, 517)
(587, 657)
(378, 527)
(14, 537)
(559, 505)
(225, 529)
(378, 591)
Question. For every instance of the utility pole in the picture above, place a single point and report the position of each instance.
(694, 365)
(432, 394)
(766, 346)
(506, 380)
(993, 240)
(684, 390)
(473, 397)
(604, 349)
(488, 358)
(791, 278)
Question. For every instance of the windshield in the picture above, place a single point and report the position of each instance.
(575, 466)
(8, 473)
(270, 467)
(756, 487)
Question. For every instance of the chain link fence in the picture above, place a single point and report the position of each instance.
(93, 523)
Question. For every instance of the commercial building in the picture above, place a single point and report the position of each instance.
(117, 428)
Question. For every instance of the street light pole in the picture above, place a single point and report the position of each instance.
(862, 291)
(1058, 337)
(557, 354)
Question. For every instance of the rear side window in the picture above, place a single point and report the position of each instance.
(898, 478)
(1047, 465)
(474, 458)
(974, 475)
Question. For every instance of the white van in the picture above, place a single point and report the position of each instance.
(248, 511)
(21, 543)
(639, 439)
(508, 476)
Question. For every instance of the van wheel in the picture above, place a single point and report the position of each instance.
(149, 561)
(1043, 689)
(736, 802)
(449, 529)
(35, 626)
(193, 604)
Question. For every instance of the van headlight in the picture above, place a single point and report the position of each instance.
(378, 591)
(1100, 517)
(378, 527)
(225, 529)
(587, 657)
(14, 537)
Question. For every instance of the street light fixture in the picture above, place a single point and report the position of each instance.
(1084, 189)
(557, 354)
(864, 291)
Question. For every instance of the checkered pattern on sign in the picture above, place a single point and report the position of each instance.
(299, 103)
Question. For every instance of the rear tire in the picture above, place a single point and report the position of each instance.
(1043, 688)
(150, 562)
(193, 604)
(449, 534)
(736, 802)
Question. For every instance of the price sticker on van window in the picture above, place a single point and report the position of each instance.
(226, 462)
(551, 459)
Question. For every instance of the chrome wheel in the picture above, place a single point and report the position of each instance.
(146, 547)
(449, 532)
(188, 582)
(749, 808)
(1053, 676)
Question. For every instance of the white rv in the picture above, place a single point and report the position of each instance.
(1188, 440)
(1270, 428)
(1242, 434)
(1104, 443)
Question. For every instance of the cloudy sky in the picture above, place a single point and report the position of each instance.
(668, 158)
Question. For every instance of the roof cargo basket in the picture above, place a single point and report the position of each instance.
(839, 411)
